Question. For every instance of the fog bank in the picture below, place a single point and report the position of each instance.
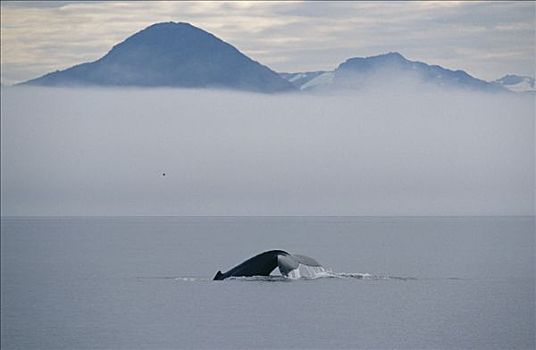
(386, 152)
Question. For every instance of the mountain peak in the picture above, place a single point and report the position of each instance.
(392, 67)
(517, 83)
(170, 26)
(512, 79)
(370, 62)
(168, 37)
(171, 54)
(390, 55)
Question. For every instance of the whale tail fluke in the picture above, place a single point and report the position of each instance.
(219, 276)
(292, 266)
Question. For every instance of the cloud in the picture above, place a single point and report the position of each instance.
(461, 35)
(381, 152)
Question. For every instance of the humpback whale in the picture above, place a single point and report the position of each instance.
(264, 263)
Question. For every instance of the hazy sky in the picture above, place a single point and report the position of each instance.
(487, 39)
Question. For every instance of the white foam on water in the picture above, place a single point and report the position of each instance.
(308, 272)
(355, 275)
(271, 278)
(303, 272)
(191, 279)
(316, 272)
(367, 276)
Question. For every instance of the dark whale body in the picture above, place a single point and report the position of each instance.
(263, 264)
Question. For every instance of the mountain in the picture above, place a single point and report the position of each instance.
(516, 83)
(391, 68)
(181, 55)
(171, 55)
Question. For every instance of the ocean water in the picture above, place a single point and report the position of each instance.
(145, 283)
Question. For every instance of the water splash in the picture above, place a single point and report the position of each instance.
(308, 272)
(368, 276)
(318, 274)
(302, 273)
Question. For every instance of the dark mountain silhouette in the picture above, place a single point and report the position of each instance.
(171, 55)
(181, 55)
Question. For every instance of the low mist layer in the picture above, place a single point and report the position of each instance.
(187, 152)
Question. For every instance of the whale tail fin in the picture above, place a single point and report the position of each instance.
(219, 276)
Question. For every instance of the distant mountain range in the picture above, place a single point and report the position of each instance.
(363, 72)
(181, 55)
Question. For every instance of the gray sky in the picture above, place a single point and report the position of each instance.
(487, 39)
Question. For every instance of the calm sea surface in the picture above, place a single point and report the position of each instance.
(145, 283)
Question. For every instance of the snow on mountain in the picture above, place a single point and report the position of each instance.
(299, 79)
(322, 80)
